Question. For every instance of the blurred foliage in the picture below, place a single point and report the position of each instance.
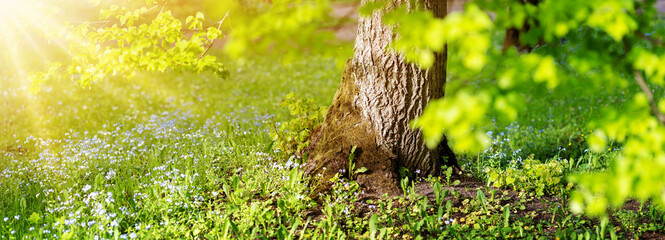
(288, 23)
(292, 137)
(601, 46)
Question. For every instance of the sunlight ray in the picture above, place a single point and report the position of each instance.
(29, 40)
(11, 48)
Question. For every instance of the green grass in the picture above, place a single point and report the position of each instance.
(190, 156)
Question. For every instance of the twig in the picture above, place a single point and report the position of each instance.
(213, 40)
(163, 6)
(197, 29)
(645, 88)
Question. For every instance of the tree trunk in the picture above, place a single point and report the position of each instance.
(378, 96)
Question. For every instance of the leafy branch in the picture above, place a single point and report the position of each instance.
(130, 46)
(219, 28)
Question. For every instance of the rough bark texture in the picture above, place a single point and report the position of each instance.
(377, 98)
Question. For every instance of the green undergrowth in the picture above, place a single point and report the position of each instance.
(292, 137)
(189, 156)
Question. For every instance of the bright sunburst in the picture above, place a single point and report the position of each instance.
(22, 28)
(33, 35)
(30, 38)
(29, 33)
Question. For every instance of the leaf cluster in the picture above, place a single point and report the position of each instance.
(285, 28)
(128, 42)
(292, 137)
(541, 178)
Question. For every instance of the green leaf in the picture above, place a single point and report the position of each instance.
(510, 180)
(34, 218)
(546, 72)
(612, 17)
(597, 141)
(352, 155)
(506, 216)
(372, 225)
(361, 170)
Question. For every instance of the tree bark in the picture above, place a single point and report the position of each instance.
(379, 94)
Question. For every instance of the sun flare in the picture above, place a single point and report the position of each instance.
(35, 34)
(30, 35)
(20, 29)
(30, 39)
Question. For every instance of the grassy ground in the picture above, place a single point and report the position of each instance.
(191, 156)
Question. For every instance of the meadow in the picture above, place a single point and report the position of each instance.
(193, 156)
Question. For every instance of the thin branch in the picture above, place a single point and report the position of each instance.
(163, 6)
(213, 40)
(199, 29)
(339, 24)
(645, 88)
(152, 8)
